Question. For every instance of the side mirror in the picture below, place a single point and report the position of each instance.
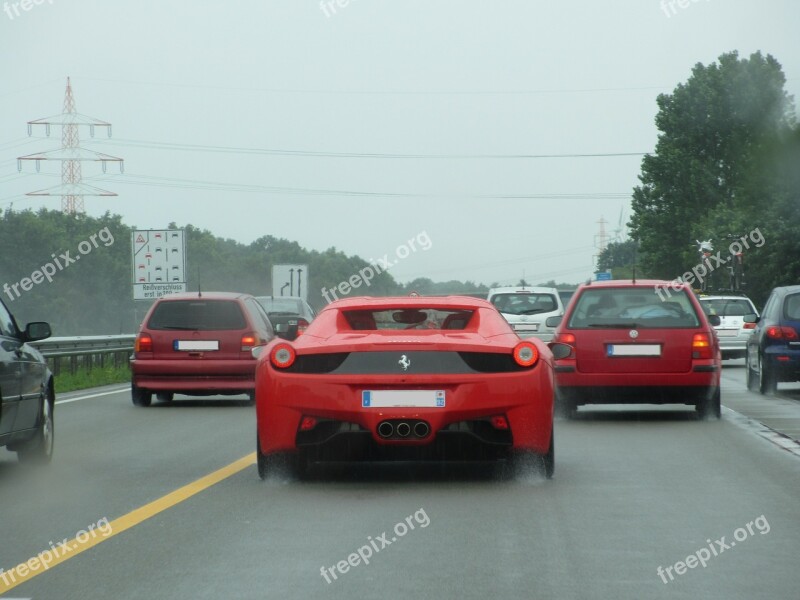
(559, 350)
(37, 330)
(553, 321)
(751, 318)
(714, 320)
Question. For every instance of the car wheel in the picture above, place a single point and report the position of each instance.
(40, 448)
(524, 463)
(710, 406)
(141, 396)
(565, 408)
(767, 381)
(165, 396)
(752, 376)
(279, 464)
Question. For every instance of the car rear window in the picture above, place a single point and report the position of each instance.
(407, 318)
(275, 305)
(628, 307)
(727, 307)
(525, 303)
(197, 315)
(791, 308)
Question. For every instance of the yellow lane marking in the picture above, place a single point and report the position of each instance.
(33, 567)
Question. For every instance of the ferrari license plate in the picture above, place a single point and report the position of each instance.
(402, 398)
(195, 345)
(634, 350)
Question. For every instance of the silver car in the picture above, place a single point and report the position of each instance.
(527, 308)
(732, 331)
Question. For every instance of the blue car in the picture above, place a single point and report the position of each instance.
(773, 350)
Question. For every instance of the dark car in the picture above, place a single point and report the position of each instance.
(198, 345)
(289, 315)
(27, 395)
(773, 350)
(635, 345)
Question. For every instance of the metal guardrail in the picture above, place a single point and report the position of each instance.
(86, 351)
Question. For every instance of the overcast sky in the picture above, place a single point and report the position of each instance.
(253, 117)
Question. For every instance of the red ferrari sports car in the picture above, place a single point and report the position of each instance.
(405, 378)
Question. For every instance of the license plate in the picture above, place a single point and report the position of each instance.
(195, 345)
(527, 327)
(402, 398)
(727, 332)
(634, 350)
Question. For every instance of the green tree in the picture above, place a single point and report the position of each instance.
(700, 182)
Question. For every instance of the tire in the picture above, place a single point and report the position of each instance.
(710, 406)
(752, 376)
(39, 450)
(280, 464)
(524, 463)
(767, 380)
(141, 396)
(565, 408)
(165, 396)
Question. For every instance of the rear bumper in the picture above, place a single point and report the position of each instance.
(525, 399)
(220, 376)
(637, 394)
(785, 361)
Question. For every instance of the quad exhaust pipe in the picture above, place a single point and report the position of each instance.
(401, 429)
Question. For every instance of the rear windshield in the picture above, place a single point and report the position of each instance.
(284, 305)
(791, 308)
(525, 303)
(727, 307)
(197, 315)
(639, 307)
(407, 318)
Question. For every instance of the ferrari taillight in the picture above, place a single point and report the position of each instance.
(701, 346)
(144, 343)
(282, 356)
(526, 354)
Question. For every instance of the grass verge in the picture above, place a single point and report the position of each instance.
(84, 378)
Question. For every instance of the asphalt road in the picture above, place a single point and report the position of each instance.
(634, 490)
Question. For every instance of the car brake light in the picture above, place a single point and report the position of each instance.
(249, 341)
(566, 338)
(526, 354)
(282, 356)
(308, 423)
(302, 325)
(499, 422)
(701, 346)
(749, 326)
(144, 343)
(781, 333)
(782, 358)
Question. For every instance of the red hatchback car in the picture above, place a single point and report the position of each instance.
(409, 379)
(199, 345)
(642, 342)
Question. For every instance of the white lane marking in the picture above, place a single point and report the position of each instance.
(758, 428)
(68, 400)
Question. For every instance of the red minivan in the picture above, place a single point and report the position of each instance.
(198, 344)
(637, 342)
